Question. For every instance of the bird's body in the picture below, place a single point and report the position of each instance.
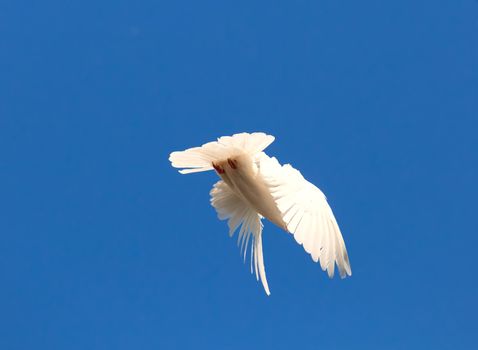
(254, 185)
(242, 174)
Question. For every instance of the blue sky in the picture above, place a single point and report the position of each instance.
(104, 246)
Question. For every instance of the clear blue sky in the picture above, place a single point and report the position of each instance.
(104, 246)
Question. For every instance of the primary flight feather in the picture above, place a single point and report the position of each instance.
(255, 186)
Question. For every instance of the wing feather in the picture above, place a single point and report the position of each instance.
(315, 250)
(307, 215)
(301, 229)
(308, 239)
(331, 257)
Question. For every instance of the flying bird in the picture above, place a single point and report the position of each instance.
(254, 186)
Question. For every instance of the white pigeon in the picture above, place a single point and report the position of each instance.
(255, 186)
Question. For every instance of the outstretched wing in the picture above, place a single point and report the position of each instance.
(307, 215)
(231, 207)
(198, 159)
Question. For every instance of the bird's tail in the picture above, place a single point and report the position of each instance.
(201, 158)
(230, 206)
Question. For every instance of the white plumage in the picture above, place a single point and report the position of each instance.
(253, 186)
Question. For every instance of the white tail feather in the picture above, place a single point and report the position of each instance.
(231, 207)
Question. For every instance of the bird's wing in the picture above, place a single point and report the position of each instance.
(230, 206)
(198, 159)
(308, 216)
